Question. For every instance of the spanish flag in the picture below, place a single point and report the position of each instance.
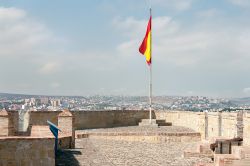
(145, 47)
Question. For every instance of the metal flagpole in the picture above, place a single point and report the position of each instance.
(150, 81)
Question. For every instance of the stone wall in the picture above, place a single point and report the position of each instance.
(160, 138)
(246, 129)
(229, 124)
(35, 118)
(4, 123)
(13, 123)
(83, 119)
(193, 120)
(213, 125)
(41, 117)
(26, 151)
(65, 124)
(102, 119)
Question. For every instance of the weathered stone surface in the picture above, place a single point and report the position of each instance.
(224, 159)
(145, 134)
(26, 151)
(65, 124)
(3, 113)
(98, 152)
(4, 126)
(231, 123)
(66, 113)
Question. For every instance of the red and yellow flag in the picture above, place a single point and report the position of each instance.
(145, 47)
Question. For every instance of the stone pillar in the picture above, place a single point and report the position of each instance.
(65, 123)
(206, 125)
(239, 125)
(4, 123)
(219, 123)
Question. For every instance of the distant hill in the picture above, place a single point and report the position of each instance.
(15, 96)
(241, 101)
(11, 96)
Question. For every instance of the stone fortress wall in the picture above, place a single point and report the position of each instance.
(209, 124)
(82, 119)
(26, 151)
(36, 146)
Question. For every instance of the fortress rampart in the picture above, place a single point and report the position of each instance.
(26, 151)
(208, 124)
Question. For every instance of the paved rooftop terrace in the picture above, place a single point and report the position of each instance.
(102, 152)
(137, 130)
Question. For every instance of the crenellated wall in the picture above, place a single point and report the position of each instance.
(82, 119)
(210, 124)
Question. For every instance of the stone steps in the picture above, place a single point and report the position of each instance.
(147, 123)
(243, 162)
(202, 150)
(154, 122)
(240, 157)
(162, 122)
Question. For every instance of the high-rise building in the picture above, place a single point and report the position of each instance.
(45, 100)
(55, 103)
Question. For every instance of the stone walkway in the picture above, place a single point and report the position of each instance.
(102, 152)
(137, 129)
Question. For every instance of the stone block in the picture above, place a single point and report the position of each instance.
(224, 159)
(242, 152)
(146, 123)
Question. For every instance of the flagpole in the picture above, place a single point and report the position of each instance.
(150, 80)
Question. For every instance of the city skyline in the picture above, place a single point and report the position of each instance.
(87, 48)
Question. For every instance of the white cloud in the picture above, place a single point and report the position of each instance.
(55, 85)
(209, 13)
(176, 4)
(241, 3)
(23, 36)
(50, 68)
(11, 14)
(202, 44)
(129, 48)
(246, 91)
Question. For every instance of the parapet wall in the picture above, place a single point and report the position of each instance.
(211, 124)
(13, 123)
(104, 119)
(82, 119)
(246, 129)
(36, 118)
(41, 117)
(27, 151)
(193, 120)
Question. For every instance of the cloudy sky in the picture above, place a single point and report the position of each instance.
(78, 47)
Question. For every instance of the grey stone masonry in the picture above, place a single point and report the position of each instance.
(4, 123)
(146, 122)
(239, 124)
(65, 123)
